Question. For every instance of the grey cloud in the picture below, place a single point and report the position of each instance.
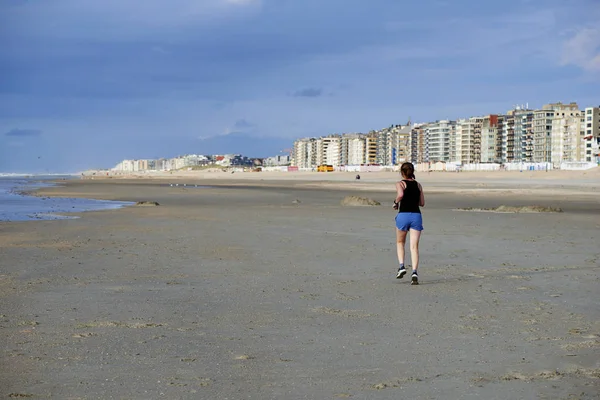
(243, 124)
(23, 132)
(308, 92)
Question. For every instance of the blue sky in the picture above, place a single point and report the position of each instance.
(86, 83)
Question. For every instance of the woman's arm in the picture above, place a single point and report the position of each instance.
(422, 199)
(399, 192)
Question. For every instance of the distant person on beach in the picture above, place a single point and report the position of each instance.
(409, 197)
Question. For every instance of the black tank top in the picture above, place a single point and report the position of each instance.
(412, 197)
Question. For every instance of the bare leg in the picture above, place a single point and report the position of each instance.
(400, 242)
(414, 248)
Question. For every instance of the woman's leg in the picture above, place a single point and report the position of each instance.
(414, 248)
(400, 242)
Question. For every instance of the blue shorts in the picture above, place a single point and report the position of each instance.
(407, 221)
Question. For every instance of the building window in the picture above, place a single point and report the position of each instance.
(589, 111)
(589, 125)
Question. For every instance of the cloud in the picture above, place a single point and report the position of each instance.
(240, 127)
(83, 69)
(243, 124)
(23, 132)
(243, 2)
(119, 19)
(308, 92)
(583, 50)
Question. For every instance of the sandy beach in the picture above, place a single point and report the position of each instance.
(262, 286)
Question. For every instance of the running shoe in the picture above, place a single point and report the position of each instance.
(414, 278)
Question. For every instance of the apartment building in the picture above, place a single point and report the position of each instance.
(549, 127)
(517, 135)
(456, 156)
(392, 144)
(508, 137)
(385, 140)
(135, 165)
(160, 164)
(125, 166)
(468, 140)
(440, 139)
(542, 131)
(277, 161)
(304, 153)
(344, 142)
(371, 148)
(592, 134)
(384, 146)
(329, 150)
(567, 135)
(418, 145)
(401, 147)
(524, 131)
(555, 133)
(491, 139)
(353, 149)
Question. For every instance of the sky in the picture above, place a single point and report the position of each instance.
(87, 83)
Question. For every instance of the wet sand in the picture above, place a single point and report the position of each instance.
(236, 291)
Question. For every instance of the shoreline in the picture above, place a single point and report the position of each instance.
(336, 175)
(22, 200)
(572, 199)
(499, 183)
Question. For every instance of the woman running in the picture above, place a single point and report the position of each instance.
(409, 198)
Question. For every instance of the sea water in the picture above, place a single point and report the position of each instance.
(15, 205)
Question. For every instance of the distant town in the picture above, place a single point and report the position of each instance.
(555, 136)
(196, 161)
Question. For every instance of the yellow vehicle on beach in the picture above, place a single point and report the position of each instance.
(325, 168)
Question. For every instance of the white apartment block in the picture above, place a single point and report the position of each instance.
(440, 138)
(135, 165)
(353, 150)
(567, 136)
(125, 166)
(549, 130)
(277, 161)
(329, 150)
(592, 134)
(305, 153)
(178, 163)
(162, 164)
(456, 157)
